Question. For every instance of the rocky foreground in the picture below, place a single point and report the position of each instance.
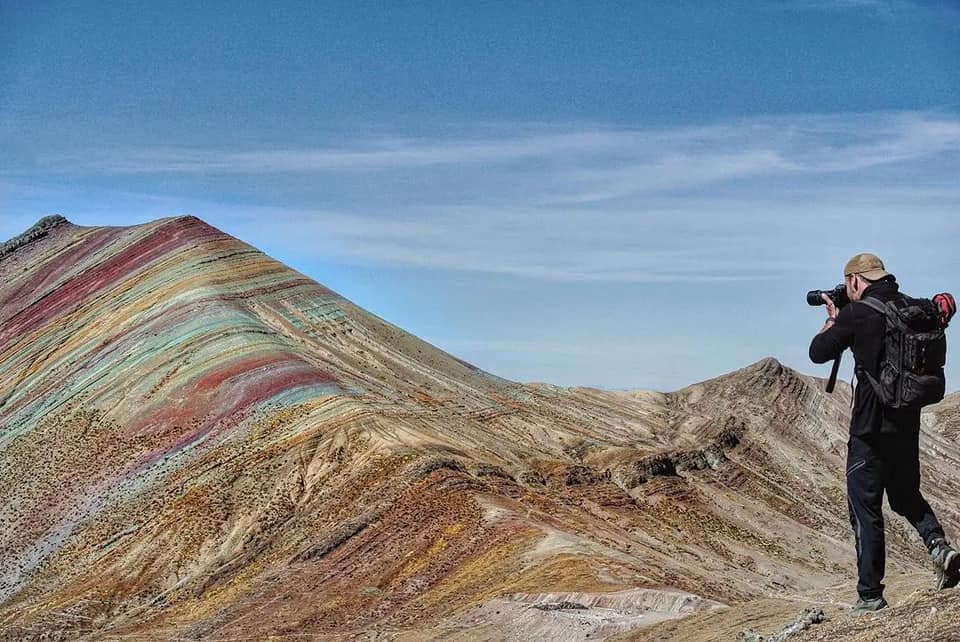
(197, 442)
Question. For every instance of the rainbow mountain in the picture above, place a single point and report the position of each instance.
(198, 442)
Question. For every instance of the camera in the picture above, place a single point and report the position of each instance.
(838, 295)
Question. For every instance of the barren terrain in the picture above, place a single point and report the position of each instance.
(197, 442)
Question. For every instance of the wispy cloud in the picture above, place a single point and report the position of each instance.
(879, 5)
(773, 147)
(671, 172)
(576, 166)
(656, 240)
(884, 9)
(652, 206)
(750, 237)
(377, 155)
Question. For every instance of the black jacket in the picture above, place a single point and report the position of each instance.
(861, 328)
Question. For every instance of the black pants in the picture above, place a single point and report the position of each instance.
(877, 463)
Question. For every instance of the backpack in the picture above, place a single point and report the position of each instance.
(914, 353)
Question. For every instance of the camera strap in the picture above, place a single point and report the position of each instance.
(853, 387)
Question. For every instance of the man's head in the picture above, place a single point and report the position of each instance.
(860, 272)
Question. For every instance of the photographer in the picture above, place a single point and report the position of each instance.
(883, 449)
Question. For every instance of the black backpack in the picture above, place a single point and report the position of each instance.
(914, 353)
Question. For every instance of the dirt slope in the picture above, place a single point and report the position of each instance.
(197, 442)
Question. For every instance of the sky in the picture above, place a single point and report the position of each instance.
(629, 195)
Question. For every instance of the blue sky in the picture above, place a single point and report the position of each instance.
(624, 195)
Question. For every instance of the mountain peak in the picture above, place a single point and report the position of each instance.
(765, 372)
(50, 221)
(768, 374)
(769, 365)
(38, 230)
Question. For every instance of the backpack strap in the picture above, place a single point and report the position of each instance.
(875, 304)
(888, 313)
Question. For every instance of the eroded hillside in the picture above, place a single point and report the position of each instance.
(197, 442)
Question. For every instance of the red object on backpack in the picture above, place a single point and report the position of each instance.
(947, 305)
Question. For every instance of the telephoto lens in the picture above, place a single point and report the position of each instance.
(838, 295)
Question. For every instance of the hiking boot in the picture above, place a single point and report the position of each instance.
(866, 606)
(946, 563)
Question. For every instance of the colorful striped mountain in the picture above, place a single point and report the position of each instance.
(198, 442)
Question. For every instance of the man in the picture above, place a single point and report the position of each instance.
(883, 450)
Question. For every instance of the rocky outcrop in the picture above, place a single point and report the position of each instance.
(804, 621)
(39, 229)
(670, 464)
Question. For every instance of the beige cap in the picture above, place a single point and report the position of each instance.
(869, 266)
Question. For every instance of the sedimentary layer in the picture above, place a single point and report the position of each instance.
(198, 442)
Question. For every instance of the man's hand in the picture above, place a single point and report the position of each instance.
(831, 314)
(831, 307)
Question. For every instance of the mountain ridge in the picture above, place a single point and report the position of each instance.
(190, 430)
